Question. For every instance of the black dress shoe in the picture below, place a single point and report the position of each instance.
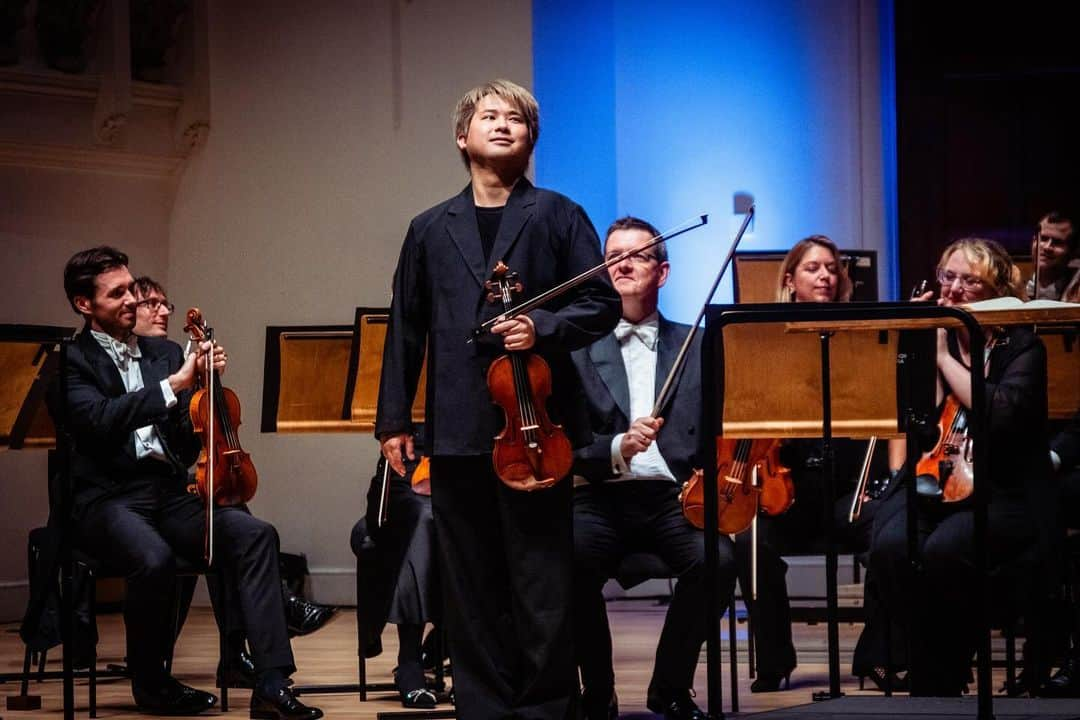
(283, 705)
(242, 673)
(770, 682)
(305, 617)
(601, 705)
(674, 705)
(1065, 683)
(171, 697)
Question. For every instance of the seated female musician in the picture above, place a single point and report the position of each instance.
(812, 271)
(407, 589)
(939, 600)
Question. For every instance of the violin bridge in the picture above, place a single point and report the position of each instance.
(529, 427)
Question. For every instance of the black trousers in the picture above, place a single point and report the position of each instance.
(612, 520)
(140, 532)
(939, 602)
(507, 571)
(792, 532)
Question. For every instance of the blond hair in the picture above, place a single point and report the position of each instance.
(990, 262)
(795, 256)
(512, 93)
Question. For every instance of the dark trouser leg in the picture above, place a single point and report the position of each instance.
(120, 532)
(682, 546)
(770, 614)
(596, 554)
(248, 549)
(507, 588)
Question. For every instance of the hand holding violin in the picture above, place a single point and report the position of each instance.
(195, 366)
(518, 333)
(641, 434)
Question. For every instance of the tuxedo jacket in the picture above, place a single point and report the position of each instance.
(102, 415)
(439, 297)
(607, 389)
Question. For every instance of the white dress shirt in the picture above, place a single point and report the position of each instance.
(637, 342)
(126, 358)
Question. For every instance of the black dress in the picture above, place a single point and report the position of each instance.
(934, 608)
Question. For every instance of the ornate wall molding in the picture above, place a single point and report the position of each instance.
(91, 160)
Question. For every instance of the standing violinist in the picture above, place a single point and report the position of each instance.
(626, 495)
(506, 555)
(126, 410)
(940, 600)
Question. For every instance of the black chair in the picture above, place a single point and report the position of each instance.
(41, 548)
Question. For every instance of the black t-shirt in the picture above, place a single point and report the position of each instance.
(488, 219)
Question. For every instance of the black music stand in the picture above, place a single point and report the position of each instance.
(825, 320)
(49, 357)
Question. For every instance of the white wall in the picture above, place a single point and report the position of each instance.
(295, 210)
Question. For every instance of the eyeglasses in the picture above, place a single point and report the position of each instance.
(155, 304)
(969, 283)
(639, 259)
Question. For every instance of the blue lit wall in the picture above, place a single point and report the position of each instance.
(666, 111)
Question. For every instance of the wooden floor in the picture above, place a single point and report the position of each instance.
(329, 656)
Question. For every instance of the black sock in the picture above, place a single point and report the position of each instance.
(270, 681)
(410, 675)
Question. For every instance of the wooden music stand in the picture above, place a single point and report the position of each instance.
(325, 378)
(31, 358)
(755, 274)
(365, 370)
(792, 402)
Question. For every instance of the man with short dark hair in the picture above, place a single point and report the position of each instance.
(1053, 250)
(626, 496)
(126, 411)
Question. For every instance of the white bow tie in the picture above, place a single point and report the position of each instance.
(646, 332)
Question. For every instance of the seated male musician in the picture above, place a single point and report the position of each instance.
(126, 414)
(152, 313)
(1053, 250)
(627, 482)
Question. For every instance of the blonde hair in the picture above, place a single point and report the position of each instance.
(512, 93)
(990, 262)
(795, 256)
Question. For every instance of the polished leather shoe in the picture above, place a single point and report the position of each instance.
(242, 673)
(602, 705)
(306, 617)
(674, 705)
(283, 705)
(171, 697)
(1065, 683)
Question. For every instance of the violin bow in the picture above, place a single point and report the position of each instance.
(684, 227)
(666, 389)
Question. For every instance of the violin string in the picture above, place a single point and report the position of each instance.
(520, 379)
